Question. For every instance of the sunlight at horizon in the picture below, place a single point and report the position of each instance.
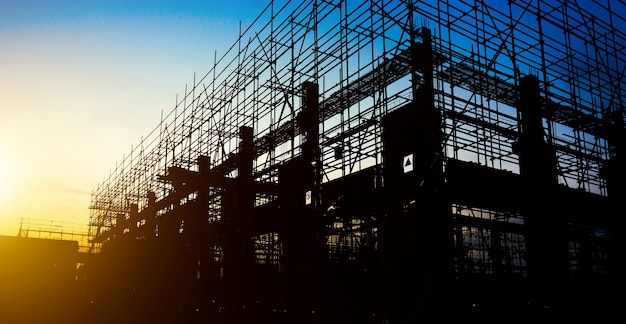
(82, 83)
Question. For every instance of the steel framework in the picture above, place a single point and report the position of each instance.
(528, 95)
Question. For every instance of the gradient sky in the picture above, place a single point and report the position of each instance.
(83, 81)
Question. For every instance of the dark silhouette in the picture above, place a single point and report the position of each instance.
(346, 166)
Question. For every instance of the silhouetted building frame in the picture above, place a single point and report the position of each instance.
(342, 164)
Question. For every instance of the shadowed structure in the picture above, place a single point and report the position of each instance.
(343, 164)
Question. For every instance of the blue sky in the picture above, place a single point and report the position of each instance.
(83, 81)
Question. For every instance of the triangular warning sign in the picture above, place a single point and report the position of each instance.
(408, 163)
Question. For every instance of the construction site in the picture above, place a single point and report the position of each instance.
(378, 161)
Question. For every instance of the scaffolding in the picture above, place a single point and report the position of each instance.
(249, 120)
(54, 230)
